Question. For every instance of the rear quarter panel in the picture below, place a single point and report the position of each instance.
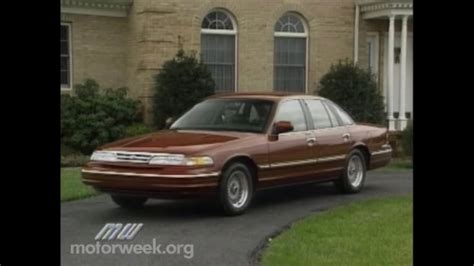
(375, 139)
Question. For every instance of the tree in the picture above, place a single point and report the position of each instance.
(355, 90)
(182, 82)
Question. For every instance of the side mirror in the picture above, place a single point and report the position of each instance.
(278, 128)
(282, 127)
(169, 122)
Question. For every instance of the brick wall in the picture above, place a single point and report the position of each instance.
(159, 28)
(130, 51)
(98, 49)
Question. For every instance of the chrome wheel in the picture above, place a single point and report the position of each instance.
(355, 171)
(237, 189)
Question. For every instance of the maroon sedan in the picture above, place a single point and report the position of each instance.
(230, 146)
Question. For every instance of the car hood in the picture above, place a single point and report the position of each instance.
(177, 141)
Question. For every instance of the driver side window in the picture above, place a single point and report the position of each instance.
(292, 111)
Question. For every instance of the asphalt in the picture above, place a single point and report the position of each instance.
(216, 239)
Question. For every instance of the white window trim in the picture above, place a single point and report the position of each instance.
(304, 34)
(69, 27)
(119, 13)
(228, 32)
(291, 34)
(377, 52)
(220, 32)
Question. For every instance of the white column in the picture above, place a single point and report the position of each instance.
(391, 42)
(403, 68)
(356, 35)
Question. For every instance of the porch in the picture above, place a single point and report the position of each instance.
(386, 27)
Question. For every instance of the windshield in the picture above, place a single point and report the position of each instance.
(226, 114)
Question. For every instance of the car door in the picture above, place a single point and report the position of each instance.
(290, 155)
(332, 139)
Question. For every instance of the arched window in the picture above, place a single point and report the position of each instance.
(218, 46)
(290, 54)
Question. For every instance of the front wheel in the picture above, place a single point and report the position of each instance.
(353, 177)
(236, 189)
(129, 202)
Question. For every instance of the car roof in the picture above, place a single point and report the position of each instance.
(274, 96)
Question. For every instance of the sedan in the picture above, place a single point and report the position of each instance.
(230, 146)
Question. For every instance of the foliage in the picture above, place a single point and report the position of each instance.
(95, 116)
(74, 160)
(182, 82)
(136, 129)
(407, 139)
(355, 90)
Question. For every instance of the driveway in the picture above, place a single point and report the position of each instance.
(216, 239)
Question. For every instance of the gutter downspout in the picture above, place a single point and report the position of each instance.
(356, 35)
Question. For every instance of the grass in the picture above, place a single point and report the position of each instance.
(373, 232)
(71, 186)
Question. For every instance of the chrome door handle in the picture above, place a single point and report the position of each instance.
(311, 141)
(346, 136)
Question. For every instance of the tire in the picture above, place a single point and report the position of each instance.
(353, 176)
(129, 202)
(236, 189)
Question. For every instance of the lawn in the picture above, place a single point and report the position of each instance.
(373, 232)
(71, 186)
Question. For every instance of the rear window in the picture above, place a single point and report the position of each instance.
(343, 116)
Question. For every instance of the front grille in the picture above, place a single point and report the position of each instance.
(133, 157)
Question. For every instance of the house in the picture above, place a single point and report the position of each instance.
(261, 45)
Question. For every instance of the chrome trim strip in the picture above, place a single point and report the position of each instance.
(281, 177)
(149, 175)
(381, 152)
(138, 152)
(301, 162)
(332, 158)
(291, 163)
(133, 157)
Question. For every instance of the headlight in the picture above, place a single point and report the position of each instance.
(168, 159)
(103, 156)
(179, 159)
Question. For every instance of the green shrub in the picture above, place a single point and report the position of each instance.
(96, 116)
(137, 129)
(182, 82)
(74, 160)
(355, 90)
(407, 140)
(66, 150)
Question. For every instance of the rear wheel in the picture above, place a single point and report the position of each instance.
(236, 189)
(129, 202)
(353, 177)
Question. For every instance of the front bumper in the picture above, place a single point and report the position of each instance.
(150, 184)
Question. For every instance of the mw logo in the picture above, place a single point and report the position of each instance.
(118, 231)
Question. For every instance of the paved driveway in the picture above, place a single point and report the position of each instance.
(217, 240)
